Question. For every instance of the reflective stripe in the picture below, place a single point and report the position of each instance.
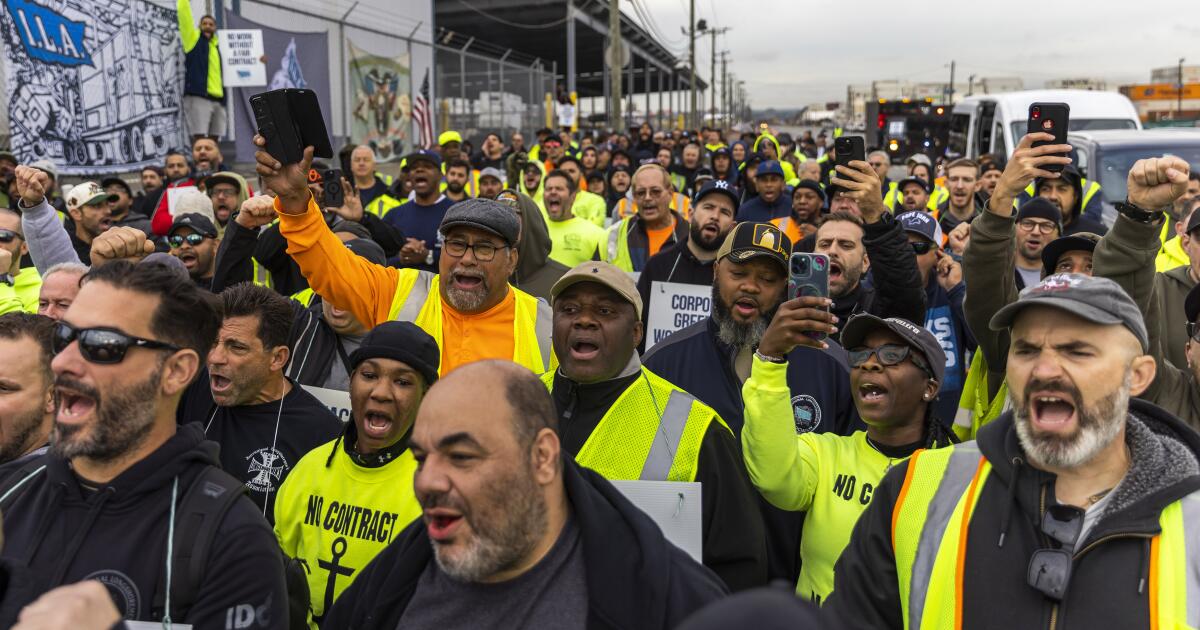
(543, 327)
(1190, 506)
(667, 437)
(415, 300)
(964, 459)
(614, 237)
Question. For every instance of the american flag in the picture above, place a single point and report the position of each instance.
(422, 114)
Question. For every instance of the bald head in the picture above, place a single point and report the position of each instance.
(469, 394)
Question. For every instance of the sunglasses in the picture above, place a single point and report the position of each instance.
(889, 354)
(1050, 569)
(191, 239)
(102, 345)
(922, 247)
(7, 236)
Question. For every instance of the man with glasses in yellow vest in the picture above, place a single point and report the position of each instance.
(468, 307)
(1077, 509)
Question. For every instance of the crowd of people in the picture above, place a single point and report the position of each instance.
(989, 420)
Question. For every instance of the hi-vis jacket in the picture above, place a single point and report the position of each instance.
(202, 64)
(948, 539)
(335, 516)
(518, 329)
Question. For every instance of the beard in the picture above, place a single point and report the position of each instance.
(504, 531)
(1098, 426)
(123, 421)
(734, 333)
(455, 187)
(465, 300)
(19, 432)
(697, 236)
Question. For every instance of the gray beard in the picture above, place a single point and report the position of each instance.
(1098, 427)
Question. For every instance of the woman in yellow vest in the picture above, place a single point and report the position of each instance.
(896, 368)
(345, 501)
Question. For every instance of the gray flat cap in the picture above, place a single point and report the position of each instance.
(484, 214)
(1097, 300)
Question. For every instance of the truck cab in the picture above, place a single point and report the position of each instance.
(994, 123)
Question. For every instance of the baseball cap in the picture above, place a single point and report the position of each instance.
(47, 167)
(1191, 304)
(1097, 300)
(1085, 241)
(922, 223)
(920, 158)
(484, 214)
(116, 181)
(916, 337)
(770, 167)
(85, 193)
(913, 180)
(493, 172)
(988, 167)
(749, 240)
(197, 222)
(423, 155)
(718, 187)
(603, 273)
(225, 177)
(812, 185)
(1193, 222)
(553, 140)
(404, 342)
(448, 137)
(703, 173)
(367, 249)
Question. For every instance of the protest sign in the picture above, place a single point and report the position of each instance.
(241, 57)
(674, 306)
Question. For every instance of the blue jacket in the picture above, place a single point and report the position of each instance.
(759, 211)
(945, 319)
(696, 360)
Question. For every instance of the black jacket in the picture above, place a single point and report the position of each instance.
(896, 289)
(1107, 583)
(635, 578)
(313, 344)
(118, 534)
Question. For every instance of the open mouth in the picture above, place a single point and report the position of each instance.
(376, 424)
(584, 349)
(1033, 243)
(105, 224)
(188, 259)
(711, 230)
(835, 270)
(1052, 412)
(871, 393)
(441, 524)
(467, 282)
(73, 405)
(746, 307)
(218, 383)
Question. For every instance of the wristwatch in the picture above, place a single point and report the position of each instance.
(7, 278)
(1135, 213)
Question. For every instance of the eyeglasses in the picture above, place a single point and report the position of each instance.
(1029, 225)
(889, 354)
(191, 239)
(483, 250)
(102, 345)
(922, 247)
(222, 192)
(7, 236)
(1050, 569)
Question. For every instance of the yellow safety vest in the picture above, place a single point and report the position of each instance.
(417, 300)
(304, 297)
(930, 524)
(650, 419)
(895, 198)
(1090, 189)
(382, 204)
(891, 197)
(1171, 254)
(975, 407)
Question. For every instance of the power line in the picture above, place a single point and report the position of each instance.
(648, 23)
(505, 22)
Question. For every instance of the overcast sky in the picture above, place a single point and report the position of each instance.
(792, 53)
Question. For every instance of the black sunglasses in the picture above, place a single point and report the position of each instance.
(922, 247)
(102, 345)
(191, 239)
(889, 354)
(1050, 569)
(7, 236)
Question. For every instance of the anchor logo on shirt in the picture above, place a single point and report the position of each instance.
(335, 568)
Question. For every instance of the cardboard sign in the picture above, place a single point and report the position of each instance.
(241, 58)
(674, 506)
(674, 306)
(337, 400)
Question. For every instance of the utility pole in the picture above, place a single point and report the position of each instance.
(712, 89)
(692, 57)
(725, 87)
(950, 90)
(1179, 95)
(614, 67)
(970, 85)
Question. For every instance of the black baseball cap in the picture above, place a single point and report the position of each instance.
(368, 250)
(197, 222)
(1191, 304)
(718, 187)
(110, 181)
(423, 155)
(1080, 241)
(917, 337)
(914, 180)
(810, 184)
(1097, 300)
(750, 240)
(404, 342)
(1193, 222)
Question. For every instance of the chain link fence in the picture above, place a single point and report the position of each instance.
(477, 94)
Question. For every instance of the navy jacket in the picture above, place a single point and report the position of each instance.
(760, 211)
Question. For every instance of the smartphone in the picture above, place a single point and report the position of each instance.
(849, 148)
(1052, 118)
(335, 195)
(290, 119)
(808, 274)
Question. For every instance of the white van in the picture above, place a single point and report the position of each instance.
(994, 123)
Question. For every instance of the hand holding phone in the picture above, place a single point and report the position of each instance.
(849, 148)
(808, 276)
(1051, 118)
(803, 320)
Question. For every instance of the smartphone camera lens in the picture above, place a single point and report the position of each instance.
(819, 263)
(1036, 113)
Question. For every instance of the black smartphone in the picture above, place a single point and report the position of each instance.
(849, 148)
(1051, 118)
(335, 195)
(290, 119)
(808, 274)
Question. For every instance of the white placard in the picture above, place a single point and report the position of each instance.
(173, 195)
(337, 400)
(674, 506)
(241, 58)
(566, 114)
(675, 306)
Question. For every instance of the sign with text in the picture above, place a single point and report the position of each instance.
(337, 400)
(241, 57)
(674, 306)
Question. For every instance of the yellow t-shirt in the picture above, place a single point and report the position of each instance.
(575, 240)
(831, 477)
(337, 518)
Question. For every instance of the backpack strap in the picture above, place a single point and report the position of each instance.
(198, 516)
(16, 483)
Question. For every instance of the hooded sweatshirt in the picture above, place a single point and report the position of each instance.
(1082, 219)
(635, 579)
(536, 273)
(116, 532)
(1111, 566)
